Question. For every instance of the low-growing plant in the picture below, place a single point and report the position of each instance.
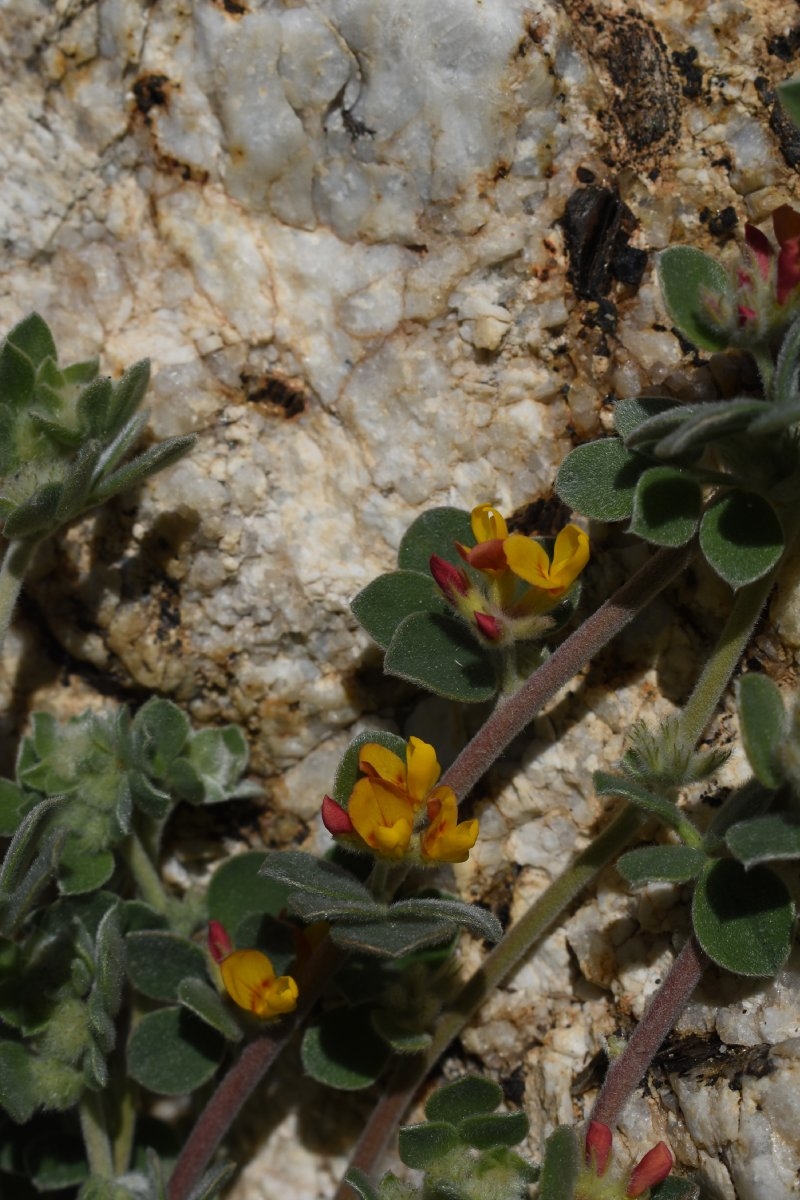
(113, 983)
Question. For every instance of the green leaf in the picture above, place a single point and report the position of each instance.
(473, 917)
(498, 1129)
(160, 731)
(110, 960)
(55, 1160)
(348, 773)
(321, 879)
(24, 843)
(207, 1004)
(599, 479)
(237, 888)
(219, 756)
(18, 1092)
(35, 515)
(764, 726)
(684, 275)
(664, 864)
(399, 1037)
(13, 804)
(435, 532)
(361, 1184)
(150, 462)
(213, 1182)
(666, 507)
(79, 872)
(741, 537)
(675, 1189)
(629, 414)
(93, 405)
(711, 422)
(393, 938)
(789, 96)
(657, 806)
(561, 1165)
(471, 1096)
(342, 1050)
(384, 603)
(159, 962)
(78, 482)
(171, 1052)
(33, 337)
(762, 839)
(17, 377)
(422, 1146)
(743, 919)
(128, 394)
(440, 654)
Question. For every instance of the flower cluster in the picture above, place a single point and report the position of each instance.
(653, 1168)
(521, 584)
(387, 809)
(249, 977)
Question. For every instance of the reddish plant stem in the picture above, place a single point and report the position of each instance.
(511, 716)
(663, 1011)
(242, 1079)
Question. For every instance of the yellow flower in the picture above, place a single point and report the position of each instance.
(446, 839)
(382, 817)
(249, 979)
(490, 531)
(530, 562)
(413, 778)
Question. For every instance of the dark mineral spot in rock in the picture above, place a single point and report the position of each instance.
(275, 395)
(785, 45)
(231, 6)
(723, 222)
(597, 228)
(151, 91)
(686, 64)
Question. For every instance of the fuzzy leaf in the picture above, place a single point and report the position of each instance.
(743, 919)
(110, 960)
(477, 920)
(684, 274)
(764, 726)
(207, 1004)
(440, 654)
(471, 1096)
(150, 462)
(710, 423)
(79, 872)
(401, 1040)
(128, 394)
(33, 337)
(237, 888)
(321, 879)
(160, 731)
(361, 1184)
(54, 1161)
(35, 515)
(599, 479)
(384, 603)
(666, 507)
(93, 405)
(17, 377)
(422, 1146)
(24, 843)
(674, 1188)
(321, 908)
(18, 1092)
(13, 805)
(657, 806)
(498, 1129)
(435, 532)
(158, 962)
(342, 1050)
(763, 839)
(219, 757)
(741, 537)
(392, 938)
(664, 864)
(561, 1165)
(172, 1052)
(348, 774)
(629, 414)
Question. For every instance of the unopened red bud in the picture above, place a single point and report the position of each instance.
(449, 578)
(489, 626)
(335, 818)
(598, 1146)
(653, 1168)
(219, 944)
(759, 245)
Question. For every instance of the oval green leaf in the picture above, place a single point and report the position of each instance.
(685, 274)
(743, 919)
(385, 602)
(741, 537)
(343, 1051)
(159, 961)
(421, 1146)
(237, 889)
(172, 1052)
(440, 654)
(764, 725)
(435, 532)
(599, 479)
(662, 864)
(666, 506)
(471, 1096)
(768, 838)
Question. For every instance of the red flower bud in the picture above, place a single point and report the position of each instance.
(450, 579)
(598, 1146)
(489, 626)
(653, 1168)
(335, 818)
(759, 245)
(486, 556)
(219, 944)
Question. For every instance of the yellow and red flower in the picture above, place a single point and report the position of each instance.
(387, 808)
(249, 977)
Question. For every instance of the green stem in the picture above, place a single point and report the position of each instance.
(12, 572)
(511, 717)
(147, 877)
(766, 368)
(513, 948)
(723, 661)
(126, 1131)
(95, 1135)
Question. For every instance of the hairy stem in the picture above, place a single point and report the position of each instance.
(513, 714)
(147, 877)
(515, 945)
(716, 675)
(667, 1004)
(243, 1078)
(12, 572)
(95, 1135)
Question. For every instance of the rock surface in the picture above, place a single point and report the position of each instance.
(385, 257)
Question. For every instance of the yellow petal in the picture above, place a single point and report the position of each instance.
(381, 817)
(422, 769)
(280, 998)
(528, 560)
(380, 763)
(444, 840)
(487, 523)
(247, 975)
(570, 556)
